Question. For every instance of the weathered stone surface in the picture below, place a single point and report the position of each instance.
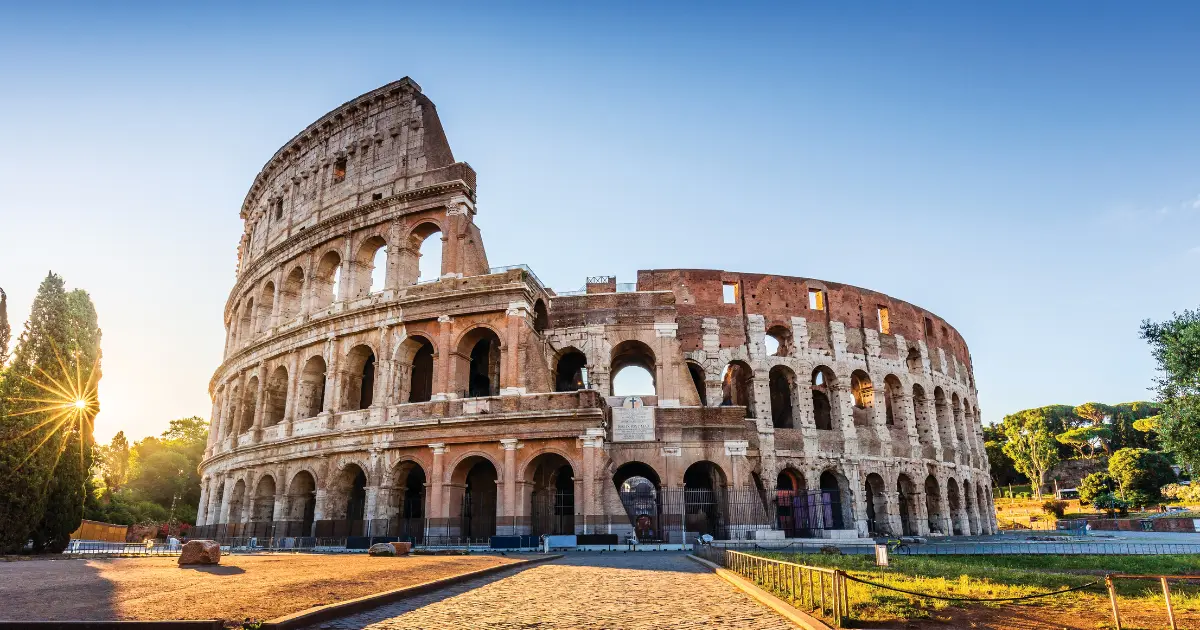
(402, 548)
(382, 549)
(804, 388)
(200, 552)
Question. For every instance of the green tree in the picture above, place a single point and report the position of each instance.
(1085, 439)
(1138, 474)
(1031, 445)
(1003, 472)
(1094, 485)
(113, 461)
(67, 491)
(1175, 345)
(5, 329)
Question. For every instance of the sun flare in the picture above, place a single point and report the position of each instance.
(69, 399)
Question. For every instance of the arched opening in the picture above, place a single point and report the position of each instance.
(822, 386)
(778, 341)
(348, 496)
(985, 509)
(264, 500)
(863, 393)
(480, 371)
(289, 295)
(550, 482)
(249, 405)
(541, 319)
(426, 241)
(924, 422)
(960, 424)
(275, 397)
(737, 387)
(783, 384)
(697, 374)
(933, 504)
(302, 503)
(266, 306)
(639, 488)
(969, 508)
(420, 387)
(945, 422)
(633, 369)
(570, 374)
(956, 506)
(231, 424)
(893, 392)
(359, 378)
(326, 280)
(474, 509)
(906, 495)
(237, 502)
(914, 361)
(311, 400)
(220, 496)
(793, 511)
(246, 327)
(704, 501)
(370, 267)
(409, 502)
(877, 514)
(831, 501)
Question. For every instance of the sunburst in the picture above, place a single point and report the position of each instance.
(70, 400)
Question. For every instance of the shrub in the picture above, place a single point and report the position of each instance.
(1094, 485)
(1055, 507)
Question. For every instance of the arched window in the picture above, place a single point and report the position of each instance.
(697, 374)
(293, 288)
(541, 319)
(831, 501)
(877, 516)
(264, 500)
(778, 341)
(633, 369)
(326, 280)
(421, 379)
(370, 267)
(571, 372)
(473, 498)
(312, 388)
(737, 387)
(864, 397)
(479, 363)
(638, 486)
(425, 241)
(249, 403)
(246, 327)
(783, 383)
(822, 384)
(892, 394)
(945, 422)
(914, 361)
(266, 305)
(360, 378)
(275, 397)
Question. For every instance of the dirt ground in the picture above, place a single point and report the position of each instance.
(257, 587)
(1064, 616)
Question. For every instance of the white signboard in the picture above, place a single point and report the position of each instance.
(633, 422)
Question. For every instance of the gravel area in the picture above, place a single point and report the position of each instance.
(242, 587)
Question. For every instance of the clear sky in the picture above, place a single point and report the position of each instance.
(1029, 172)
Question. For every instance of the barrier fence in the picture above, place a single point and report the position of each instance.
(818, 590)
(1110, 580)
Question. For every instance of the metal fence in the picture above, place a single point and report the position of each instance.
(818, 590)
(1076, 548)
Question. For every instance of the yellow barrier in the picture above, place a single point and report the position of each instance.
(95, 530)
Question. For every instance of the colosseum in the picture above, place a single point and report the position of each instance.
(369, 389)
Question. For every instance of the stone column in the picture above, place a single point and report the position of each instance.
(668, 368)
(330, 377)
(276, 300)
(437, 508)
(259, 404)
(591, 441)
(510, 487)
(843, 410)
(346, 278)
(921, 513)
(319, 505)
(213, 510)
(281, 504)
(512, 381)
(202, 508)
(444, 370)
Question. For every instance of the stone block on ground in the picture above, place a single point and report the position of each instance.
(402, 548)
(200, 552)
(381, 549)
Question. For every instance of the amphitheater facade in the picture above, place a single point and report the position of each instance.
(477, 401)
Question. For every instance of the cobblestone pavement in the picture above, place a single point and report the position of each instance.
(581, 590)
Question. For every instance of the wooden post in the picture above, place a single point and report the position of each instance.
(1167, 596)
(1112, 597)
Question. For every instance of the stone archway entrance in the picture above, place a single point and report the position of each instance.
(473, 499)
(550, 482)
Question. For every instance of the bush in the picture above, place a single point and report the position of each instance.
(1094, 485)
(1055, 507)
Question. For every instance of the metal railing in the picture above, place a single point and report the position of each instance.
(817, 590)
(1109, 581)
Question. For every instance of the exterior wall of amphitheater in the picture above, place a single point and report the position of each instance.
(337, 372)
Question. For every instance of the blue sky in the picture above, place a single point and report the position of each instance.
(1028, 172)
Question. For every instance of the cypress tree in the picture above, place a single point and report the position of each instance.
(45, 453)
(5, 330)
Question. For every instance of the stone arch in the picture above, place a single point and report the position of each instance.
(264, 499)
(418, 245)
(737, 386)
(237, 502)
(945, 424)
(414, 361)
(311, 399)
(862, 391)
(473, 496)
(249, 404)
(875, 493)
(933, 505)
(632, 354)
(956, 506)
(290, 295)
(913, 361)
(823, 383)
(327, 279)
(893, 393)
(640, 490)
(548, 491)
(370, 266)
(275, 397)
(970, 508)
(230, 424)
(696, 371)
(924, 421)
(705, 511)
(541, 319)
(358, 378)
(836, 501)
(783, 397)
(477, 362)
(793, 511)
(301, 502)
(246, 324)
(266, 308)
(409, 498)
(780, 337)
(906, 499)
(570, 370)
(346, 492)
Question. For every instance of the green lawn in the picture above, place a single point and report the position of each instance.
(999, 576)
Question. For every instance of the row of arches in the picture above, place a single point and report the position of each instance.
(310, 288)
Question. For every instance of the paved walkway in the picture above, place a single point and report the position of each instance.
(581, 590)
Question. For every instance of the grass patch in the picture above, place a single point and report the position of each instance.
(985, 577)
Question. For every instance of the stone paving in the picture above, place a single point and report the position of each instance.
(581, 590)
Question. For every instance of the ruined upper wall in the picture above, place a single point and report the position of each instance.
(699, 294)
(382, 143)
